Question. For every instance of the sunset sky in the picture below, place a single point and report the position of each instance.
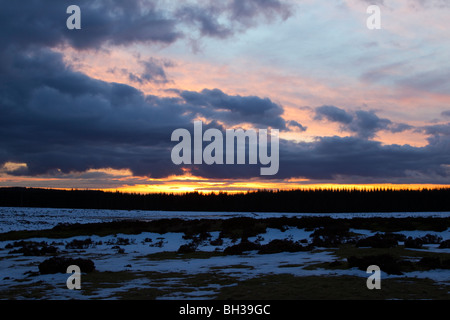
(95, 108)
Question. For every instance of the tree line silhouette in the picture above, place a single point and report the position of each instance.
(307, 200)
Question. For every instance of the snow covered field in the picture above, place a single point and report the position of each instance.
(45, 218)
(136, 253)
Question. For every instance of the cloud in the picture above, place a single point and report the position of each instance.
(56, 118)
(334, 157)
(116, 22)
(247, 11)
(233, 110)
(297, 126)
(103, 22)
(153, 72)
(347, 159)
(333, 114)
(365, 124)
(436, 130)
(222, 19)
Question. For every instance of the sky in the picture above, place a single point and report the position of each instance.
(94, 108)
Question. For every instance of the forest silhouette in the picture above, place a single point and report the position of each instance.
(307, 200)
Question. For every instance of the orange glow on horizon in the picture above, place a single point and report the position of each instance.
(243, 187)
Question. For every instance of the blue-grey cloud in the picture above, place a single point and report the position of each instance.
(297, 126)
(117, 22)
(364, 124)
(334, 114)
(215, 104)
(222, 19)
(43, 23)
(445, 113)
(153, 72)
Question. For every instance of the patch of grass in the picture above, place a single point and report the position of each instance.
(347, 250)
(335, 265)
(159, 283)
(290, 265)
(206, 279)
(31, 291)
(233, 266)
(138, 294)
(399, 253)
(290, 287)
(96, 281)
(234, 228)
(171, 255)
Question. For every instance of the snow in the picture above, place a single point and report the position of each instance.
(45, 218)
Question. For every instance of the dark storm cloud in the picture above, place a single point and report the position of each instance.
(215, 104)
(118, 22)
(436, 129)
(365, 124)
(330, 157)
(43, 23)
(54, 118)
(350, 158)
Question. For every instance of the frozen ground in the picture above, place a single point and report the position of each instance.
(45, 218)
(16, 269)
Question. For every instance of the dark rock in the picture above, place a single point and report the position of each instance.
(431, 239)
(241, 248)
(285, 245)
(445, 244)
(386, 262)
(413, 243)
(217, 242)
(331, 235)
(120, 242)
(30, 248)
(187, 248)
(79, 244)
(335, 263)
(378, 241)
(60, 265)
